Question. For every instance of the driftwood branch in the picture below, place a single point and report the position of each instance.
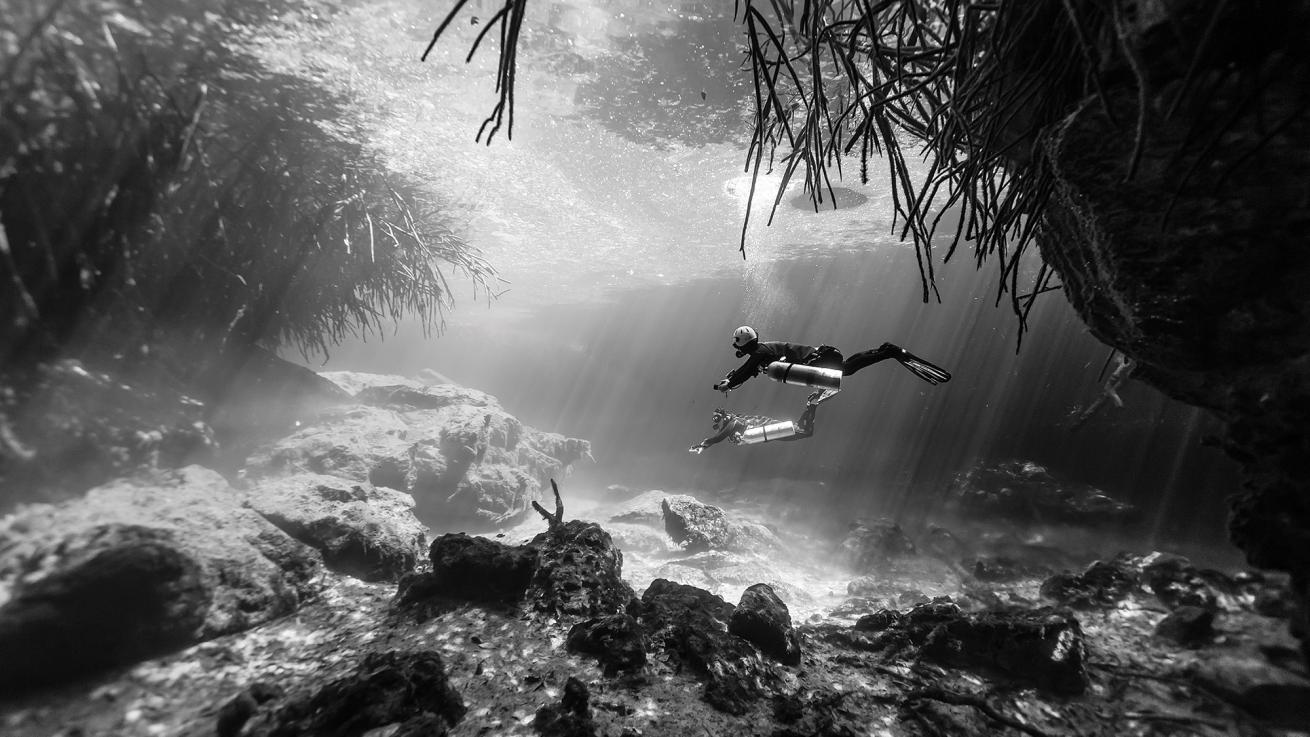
(552, 520)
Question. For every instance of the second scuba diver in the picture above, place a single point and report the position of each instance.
(751, 429)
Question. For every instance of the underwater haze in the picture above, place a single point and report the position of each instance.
(322, 413)
(613, 216)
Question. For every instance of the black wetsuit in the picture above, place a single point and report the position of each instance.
(763, 353)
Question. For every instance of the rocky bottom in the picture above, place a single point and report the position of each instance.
(919, 642)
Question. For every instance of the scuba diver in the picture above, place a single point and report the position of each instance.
(763, 353)
(752, 429)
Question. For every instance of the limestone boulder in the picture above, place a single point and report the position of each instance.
(456, 451)
(357, 443)
(136, 568)
(1024, 492)
(700, 527)
(365, 531)
(869, 544)
(762, 619)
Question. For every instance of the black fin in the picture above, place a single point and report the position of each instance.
(923, 369)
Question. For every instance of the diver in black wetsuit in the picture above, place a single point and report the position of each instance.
(762, 353)
(734, 427)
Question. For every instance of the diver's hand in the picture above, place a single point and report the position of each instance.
(722, 386)
(697, 448)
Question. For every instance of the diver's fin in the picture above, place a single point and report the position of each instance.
(923, 369)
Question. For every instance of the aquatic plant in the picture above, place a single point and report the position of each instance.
(157, 179)
(980, 90)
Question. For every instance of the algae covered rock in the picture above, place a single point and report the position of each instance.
(762, 619)
(139, 567)
(578, 572)
(617, 641)
(409, 689)
(691, 626)
(361, 530)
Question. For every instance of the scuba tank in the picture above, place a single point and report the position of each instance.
(771, 431)
(795, 373)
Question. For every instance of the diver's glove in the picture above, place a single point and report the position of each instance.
(722, 386)
(697, 448)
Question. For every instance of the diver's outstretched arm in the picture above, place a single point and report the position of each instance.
(729, 428)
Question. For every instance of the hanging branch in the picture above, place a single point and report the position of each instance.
(509, 21)
(978, 86)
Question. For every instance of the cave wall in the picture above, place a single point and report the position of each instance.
(1187, 247)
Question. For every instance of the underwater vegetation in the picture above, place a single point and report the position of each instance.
(202, 538)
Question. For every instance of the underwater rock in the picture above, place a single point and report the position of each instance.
(233, 715)
(121, 593)
(572, 569)
(360, 444)
(473, 569)
(646, 508)
(616, 641)
(942, 544)
(869, 543)
(911, 597)
(857, 606)
(571, 717)
(578, 572)
(1102, 584)
(353, 382)
(386, 688)
(1274, 600)
(70, 427)
(762, 619)
(878, 621)
(455, 450)
(694, 525)
(639, 537)
(364, 531)
(815, 715)
(700, 527)
(864, 586)
(691, 625)
(1174, 580)
(406, 398)
(1041, 647)
(1000, 569)
(1024, 492)
(1276, 696)
(1188, 625)
(171, 559)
